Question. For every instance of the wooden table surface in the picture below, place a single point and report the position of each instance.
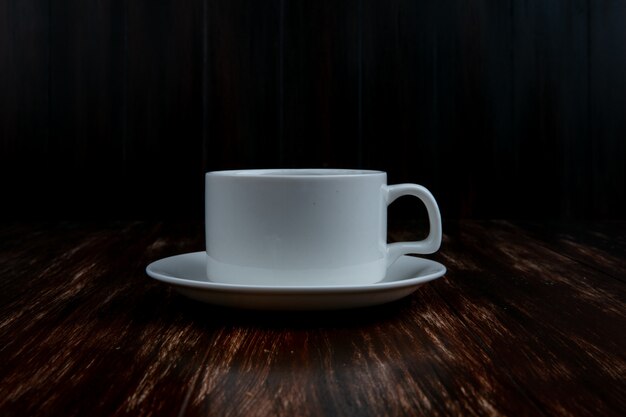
(530, 320)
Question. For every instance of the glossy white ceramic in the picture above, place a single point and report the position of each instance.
(187, 274)
(306, 227)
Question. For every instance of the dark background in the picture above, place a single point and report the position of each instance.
(504, 109)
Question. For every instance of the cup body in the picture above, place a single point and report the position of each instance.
(296, 227)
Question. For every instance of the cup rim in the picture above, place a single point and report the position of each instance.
(296, 173)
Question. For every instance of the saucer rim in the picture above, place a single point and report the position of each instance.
(283, 289)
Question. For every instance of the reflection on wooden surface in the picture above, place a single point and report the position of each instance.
(528, 320)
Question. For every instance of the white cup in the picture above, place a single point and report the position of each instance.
(306, 227)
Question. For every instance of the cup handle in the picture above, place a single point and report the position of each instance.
(433, 240)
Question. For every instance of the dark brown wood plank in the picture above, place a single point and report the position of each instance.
(607, 108)
(399, 77)
(554, 323)
(402, 72)
(244, 102)
(67, 343)
(24, 104)
(551, 170)
(495, 106)
(513, 329)
(600, 245)
(87, 101)
(164, 153)
(320, 69)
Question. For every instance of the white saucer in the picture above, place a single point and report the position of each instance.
(187, 274)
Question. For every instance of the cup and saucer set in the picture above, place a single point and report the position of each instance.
(302, 239)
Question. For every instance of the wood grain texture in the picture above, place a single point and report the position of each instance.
(164, 45)
(24, 98)
(86, 94)
(528, 321)
(503, 109)
(321, 84)
(243, 108)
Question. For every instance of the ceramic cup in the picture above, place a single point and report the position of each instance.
(306, 227)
